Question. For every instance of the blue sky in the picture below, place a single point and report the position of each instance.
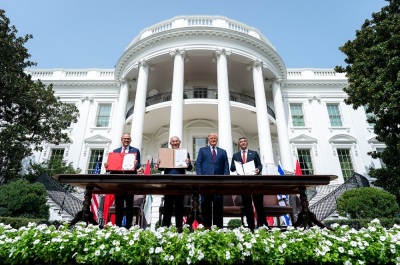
(94, 33)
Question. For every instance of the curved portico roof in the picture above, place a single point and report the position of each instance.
(201, 33)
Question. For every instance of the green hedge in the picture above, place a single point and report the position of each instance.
(363, 223)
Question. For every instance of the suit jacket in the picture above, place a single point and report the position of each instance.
(131, 150)
(206, 166)
(251, 155)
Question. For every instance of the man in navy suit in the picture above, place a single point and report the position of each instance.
(212, 160)
(243, 156)
(170, 200)
(121, 198)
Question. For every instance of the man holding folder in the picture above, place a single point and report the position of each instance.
(169, 200)
(252, 162)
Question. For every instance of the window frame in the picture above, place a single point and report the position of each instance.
(92, 163)
(301, 105)
(340, 115)
(309, 149)
(99, 105)
(350, 155)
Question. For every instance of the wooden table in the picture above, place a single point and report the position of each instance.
(199, 184)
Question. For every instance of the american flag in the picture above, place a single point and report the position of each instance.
(94, 205)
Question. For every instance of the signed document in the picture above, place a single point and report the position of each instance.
(172, 158)
(121, 162)
(129, 162)
(248, 168)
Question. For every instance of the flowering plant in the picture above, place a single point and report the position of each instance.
(113, 245)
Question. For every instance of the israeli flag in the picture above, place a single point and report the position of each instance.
(283, 200)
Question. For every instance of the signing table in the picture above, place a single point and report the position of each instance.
(199, 184)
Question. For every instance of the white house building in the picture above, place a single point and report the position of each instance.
(193, 75)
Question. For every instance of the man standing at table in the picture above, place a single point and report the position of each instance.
(169, 200)
(244, 156)
(212, 160)
(121, 199)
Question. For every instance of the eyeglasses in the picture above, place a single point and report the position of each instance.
(128, 139)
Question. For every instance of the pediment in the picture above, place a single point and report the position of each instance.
(373, 140)
(97, 139)
(303, 139)
(342, 138)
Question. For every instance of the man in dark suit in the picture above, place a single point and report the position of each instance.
(120, 199)
(169, 200)
(243, 156)
(212, 160)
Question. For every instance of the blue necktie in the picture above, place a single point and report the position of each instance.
(214, 154)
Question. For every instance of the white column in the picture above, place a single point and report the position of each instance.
(140, 105)
(224, 111)
(264, 132)
(119, 116)
(176, 120)
(281, 124)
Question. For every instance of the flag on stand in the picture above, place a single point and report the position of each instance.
(94, 205)
(108, 202)
(152, 163)
(147, 169)
(254, 213)
(283, 199)
(298, 168)
(195, 224)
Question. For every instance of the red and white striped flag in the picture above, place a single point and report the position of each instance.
(254, 213)
(94, 205)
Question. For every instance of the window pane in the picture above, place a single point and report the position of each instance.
(297, 114)
(57, 154)
(96, 155)
(200, 92)
(103, 115)
(345, 163)
(197, 144)
(334, 115)
(305, 161)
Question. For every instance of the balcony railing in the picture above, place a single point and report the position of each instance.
(198, 94)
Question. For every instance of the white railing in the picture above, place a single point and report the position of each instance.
(200, 21)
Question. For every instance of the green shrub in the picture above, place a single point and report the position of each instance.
(22, 199)
(18, 222)
(234, 223)
(363, 223)
(367, 203)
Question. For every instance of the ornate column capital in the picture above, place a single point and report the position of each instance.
(146, 63)
(181, 51)
(277, 80)
(254, 63)
(220, 51)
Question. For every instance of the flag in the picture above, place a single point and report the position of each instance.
(195, 224)
(149, 199)
(283, 199)
(254, 213)
(108, 202)
(94, 205)
(147, 169)
(152, 163)
(298, 168)
(280, 170)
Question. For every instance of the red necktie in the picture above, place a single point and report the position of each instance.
(214, 154)
(244, 157)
